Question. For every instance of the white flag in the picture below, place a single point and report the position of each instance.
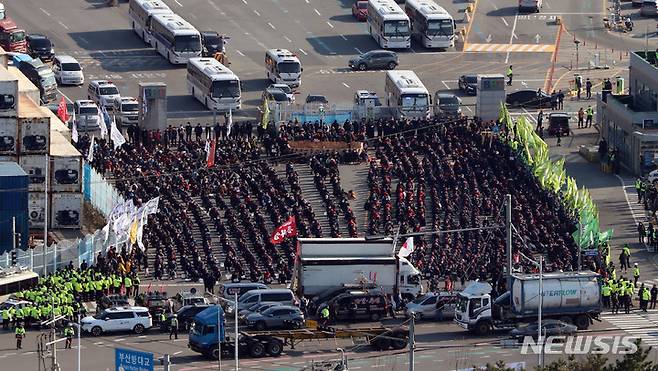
(407, 248)
(229, 122)
(103, 120)
(90, 153)
(116, 136)
(74, 131)
(140, 229)
(144, 104)
(151, 207)
(207, 148)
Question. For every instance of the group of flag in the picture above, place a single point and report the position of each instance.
(127, 221)
(103, 120)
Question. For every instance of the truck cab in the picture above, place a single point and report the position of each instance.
(409, 279)
(12, 39)
(473, 310)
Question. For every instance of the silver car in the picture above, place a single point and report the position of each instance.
(283, 316)
(256, 308)
(433, 305)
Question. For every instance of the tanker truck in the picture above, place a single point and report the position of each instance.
(573, 297)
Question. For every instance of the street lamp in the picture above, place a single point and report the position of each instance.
(539, 264)
(577, 42)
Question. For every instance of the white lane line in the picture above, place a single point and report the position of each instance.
(119, 339)
(239, 52)
(83, 40)
(256, 12)
(179, 352)
(318, 13)
(45, 12)
(511, 38)
(245, 2)
(271, 25)
(469, 108)
(444, 84)
(141, 337)
(179, 4)
(63, 25)
(628, 202)
(358, 50)
(345, 85)
(303, 52)
(343, 37)
(287, 39)
(330, 25)
(504, 21)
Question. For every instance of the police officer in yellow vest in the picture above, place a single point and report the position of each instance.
(68, 332)
(20, 334)
(605, 293)
(645, 296)
(509, 75)
(636, 273)
(6, 318)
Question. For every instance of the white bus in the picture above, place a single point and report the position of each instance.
(141, 11)
(432, 25)
(406, 94)
(213, 84)
(174, 38)
(283, 67)
(388, 24)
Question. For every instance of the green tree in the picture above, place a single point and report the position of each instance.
(634, 361)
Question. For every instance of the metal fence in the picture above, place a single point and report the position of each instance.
(96, 189)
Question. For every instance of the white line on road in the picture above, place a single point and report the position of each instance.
(308, 2)
(45, 12)
(343, 37)
(318, 13)
(256, 12)
(345, 85)
(271, 25)
(84, 40)
(287, 39)
(358, 50)
(444, 84)
(330, 25)
(239, 52)
(63, 25)
(468, 108)
(511, 38)
(179, 4)
(179, 352)
(64, 95)
(141, 337)
(628, 201)
(193, 16)
(504, 21)
(119, 339)
(303, 52)
(245, 2)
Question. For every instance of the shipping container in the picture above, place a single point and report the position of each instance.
(25, 86)
(35, 135)
(66, 173)
(56, 124)
(8, 136)
(8, 94)
(36, 210)
(13, 204)
(35, 167)
(66, 210)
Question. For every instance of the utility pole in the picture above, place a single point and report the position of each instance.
(541, 304)
(13, 237)
(508, 238)
(219, 338)
(45, 218)
(412, 341)
(236, 332)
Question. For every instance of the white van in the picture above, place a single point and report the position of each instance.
(648, 8)
(531, 5)
(249, 298)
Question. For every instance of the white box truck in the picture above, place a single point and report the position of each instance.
(326, 264)
(573, 297)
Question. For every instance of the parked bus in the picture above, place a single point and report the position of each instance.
(388, 24)
(141, 12)
(283, 67)
(213, 84)
(432, 25)
(17, 281)
(12, 39)
(407, 95)
(174, 38)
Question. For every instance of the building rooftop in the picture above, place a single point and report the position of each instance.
(649, 56)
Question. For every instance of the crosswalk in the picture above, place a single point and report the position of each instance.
(504, 48)
(638, 324)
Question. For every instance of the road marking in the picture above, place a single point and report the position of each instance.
(628, 201)
(504, 21)
(287, 39)
(256, 12)
(63, 25)
(318, 13)
(179, 352)
(509, 48)
(179, 4)
(45, 12)
(303, 52)
(141, 337)
(98, 343)
(472, 20)
(193, 16)
(245, 2)
(271, 25)
(358, 50)
(343, 37)
(444, 84)
(64, 95)
(28, 353)
(83, 40)
(330, 25)
(119, 339)
(345, 85)
(511, 38)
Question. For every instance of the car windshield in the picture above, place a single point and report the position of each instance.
(362, 5)
(225, 89)
(450, 101)
(71, 67)
(419, 300)
(285, 88)
(196, 328)
(213, 40)
(471, 79)
(40, 43)
(462, 304)
(441, 27)
(88, 111)
(418, 101)
(109, 90)
(17, 36)
(187, 43)
(396, 28)
(289, 67)
(129, 107)
(315, 98)
(101, 315)
(278, 96)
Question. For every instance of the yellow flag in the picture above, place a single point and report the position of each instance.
(133, 230)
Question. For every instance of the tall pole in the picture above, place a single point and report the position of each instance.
(52, 302)
(412, 341)
(580, 252)
(219, 337)
(508, 238)
(79, 343)
(13, 237)
(45, 218)
(541, 304)
(236, 332)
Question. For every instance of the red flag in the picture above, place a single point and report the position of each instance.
(210, 159)
(517, 258)
(285, 230)
(62, 112)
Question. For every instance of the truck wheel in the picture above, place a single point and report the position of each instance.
(566, 319)
(260, 325)
(399, 343)
(96, 331)
(274, 347)
(482, 328)
(214, 354)
(582, 322)
(383, 344)
(375, 317)
(256, 349)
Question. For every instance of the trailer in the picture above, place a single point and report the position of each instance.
(203, 337)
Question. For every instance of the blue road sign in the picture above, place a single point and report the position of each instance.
(131, 360)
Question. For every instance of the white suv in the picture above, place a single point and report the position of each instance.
(136, 319)
(87, 115)
(67, 70)
(103, 92)
(126, 110)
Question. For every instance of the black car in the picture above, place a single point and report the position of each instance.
(35, 142)
(7, 143)
(468, 84)
(316, 98)
(212, 43)
(550, 327)
(186, 314)
(375, 59)
(110, 301)
(66, 176)
(40, 46)
(156, 302)
(528, 98)
(354, 305)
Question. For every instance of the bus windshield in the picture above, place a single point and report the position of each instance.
(17, 36)
(442, 27)
(48, 80)
(188, 43)
(289, 67)
(415, 101)
(226, 88)
(396, 28)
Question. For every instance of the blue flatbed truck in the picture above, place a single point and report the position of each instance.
(204, 338)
